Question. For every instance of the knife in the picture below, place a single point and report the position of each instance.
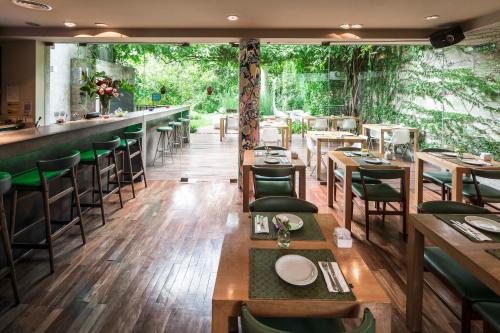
(461, 227)
(330, 266)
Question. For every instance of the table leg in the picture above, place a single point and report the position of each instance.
(456, 185)
(302, 127)
(407, 192)
(415, 276)
(419, 181)
(246, 189)
(284, 141)
(302, 183)
(220, 319)
(334, 124)
(347, 197)
(415, 142)
(308, 157)
(221, 128)
(381, 142)
(290, 128)
(318, 159)
(329, 182)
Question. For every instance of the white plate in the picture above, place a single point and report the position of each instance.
(473, 161)
(450, 154)
(373, 160)
(361, 153)
(483, 223)
(271, 161)
(295, 222)
(296, 270)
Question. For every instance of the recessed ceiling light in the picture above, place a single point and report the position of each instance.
(345, 26)
(432, 17)
(351, 26)
(33, 24)
(70, 24)
(101, 25)
(233, 18)
(30, 4)
(356, 26)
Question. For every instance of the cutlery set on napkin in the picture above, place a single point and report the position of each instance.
(334, 278)
(470, 231)
(261, 224)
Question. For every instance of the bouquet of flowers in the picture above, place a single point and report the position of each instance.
(103, 86)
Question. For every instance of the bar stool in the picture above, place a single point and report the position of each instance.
(133, 140)
(95, 158)
(165, 139)
(177, 126)
(5, 185)
(39, 180)
(185, 130)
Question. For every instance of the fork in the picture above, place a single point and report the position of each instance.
(327, 269)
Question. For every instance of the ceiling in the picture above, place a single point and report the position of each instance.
(301, 19)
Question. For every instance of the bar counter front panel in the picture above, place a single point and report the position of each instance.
(19, 151)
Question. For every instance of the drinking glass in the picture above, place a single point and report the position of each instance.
(283, 238)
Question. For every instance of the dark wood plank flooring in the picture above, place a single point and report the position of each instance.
(152, 267)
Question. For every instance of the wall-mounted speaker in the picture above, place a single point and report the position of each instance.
(447, 37)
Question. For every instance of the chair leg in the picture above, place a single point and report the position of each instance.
(334, 188)
(48, 229)
(466, 316)
(403, 208)
(129, 160)
(157, 147)
(8, 252)
(76, 198)
(141, 162)
(118, 179)
(384, 204)
(13, 211)
(443, 192)
(101, 196)
(367, 220)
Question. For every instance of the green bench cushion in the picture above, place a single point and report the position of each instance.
(356, 177)
(488, 193)
(278, 187)
(490, 312)
(466, 284)
(299, 325)
(377, 192)
(88, 155)
(31, 178)
(449, 207)
(444, 177)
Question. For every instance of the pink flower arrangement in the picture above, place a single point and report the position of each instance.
(103, 86)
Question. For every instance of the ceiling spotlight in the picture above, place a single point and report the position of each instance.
(101, 25)
(233, 18)
(70, 24)
(432, 17)
(30, 4)
(345, 26)
(356, 26)
(33, 24)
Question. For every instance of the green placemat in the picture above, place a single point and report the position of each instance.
(446, 218)
(494, 252)
(266, 284)
(284, 162)
(309, 231)
(360, 160)
(279, 153)
(462, 163)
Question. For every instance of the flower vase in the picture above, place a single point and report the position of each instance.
(104, 107)
(283, 238)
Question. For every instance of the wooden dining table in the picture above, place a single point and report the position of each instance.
(457, 169)
(335, 137)
(288, 120)
(249, 161)
(283, 127)
(471, 255)
(232, 281)
(389, 128)
(337, 159)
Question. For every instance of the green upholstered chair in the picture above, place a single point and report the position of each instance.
(282, 204)
(448, 270)
(5, 185)
(271, 147)
(165, 143)
(490, 312)
(40, 180)
(481, 194)
(131, 146)
(382, 192)
(441, 178)
(273, 182)
(251, 324)
(102, 160)
(445, 207)
(338, 174)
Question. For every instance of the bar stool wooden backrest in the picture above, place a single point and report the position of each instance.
(136, 137)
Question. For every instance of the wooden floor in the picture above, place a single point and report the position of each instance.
(152, 267)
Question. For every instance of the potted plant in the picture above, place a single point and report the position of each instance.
(104, 87)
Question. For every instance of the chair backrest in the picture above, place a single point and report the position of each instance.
(107, 145)
(64, 163)
(484, 173)
(349, 124)
(233, 123)
(321, 123)
(5, 182)
(269, 134)
(400, 136)
(449, 207)
(271, 147)
(351, 148)
(282, 204)
(134, 135)
(384, 173)
(273, 172)
(311, 145)
(435, 150)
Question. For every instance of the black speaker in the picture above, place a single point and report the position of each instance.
(447, 37)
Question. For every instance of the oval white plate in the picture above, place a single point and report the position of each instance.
(296, 270)
(450, 154)
(373, 160)
(295, 222)
(473, 161)
(271, 161)
(361, 153)
(483, 223)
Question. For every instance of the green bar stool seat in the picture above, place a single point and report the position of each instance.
(102, 160)
(131, 150)
(251, 324)
(40, 180)
(490, 312)
(165, 143)
(5, 185)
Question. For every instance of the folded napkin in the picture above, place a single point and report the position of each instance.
(261, 224)
(338, 274)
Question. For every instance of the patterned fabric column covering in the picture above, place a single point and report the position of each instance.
(249, 89)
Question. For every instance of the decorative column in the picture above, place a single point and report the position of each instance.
(249, 95)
